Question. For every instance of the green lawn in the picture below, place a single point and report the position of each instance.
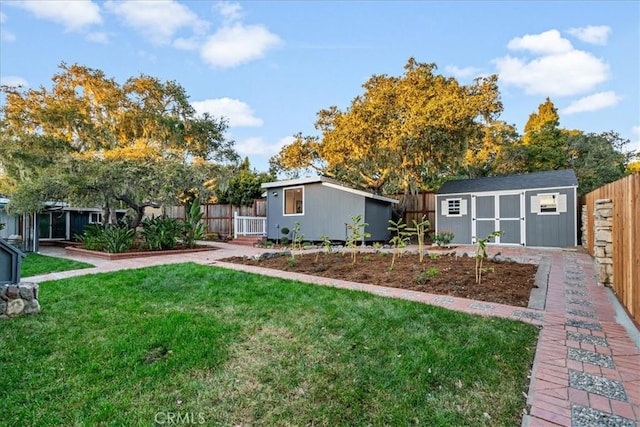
(230, 348)
(35, 264)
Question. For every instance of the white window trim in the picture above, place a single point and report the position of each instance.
(556, 197)
(462, 207)
(91, 214)
(284, 201)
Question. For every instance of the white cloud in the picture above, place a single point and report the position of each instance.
(157, 20)
(231, 12)
(256, 146)
(238, 44)
(73, 15)
(13, 81)
(98, 37)
(594, 34)
(556, 71)
(237, 112)
(5, 35)
(594, 102)
(462, 72)
(549, 42)
(182, 43)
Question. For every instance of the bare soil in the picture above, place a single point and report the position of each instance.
(502, 282)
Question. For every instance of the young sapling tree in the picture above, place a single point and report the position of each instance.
(356, 234)
(481, 253)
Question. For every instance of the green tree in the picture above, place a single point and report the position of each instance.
(139, 143)
(244, 186)
(399, 132)
(598, 159)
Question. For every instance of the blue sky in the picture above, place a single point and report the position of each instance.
(269, 66)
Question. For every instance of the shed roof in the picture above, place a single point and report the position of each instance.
(326, 182)
(548, 179)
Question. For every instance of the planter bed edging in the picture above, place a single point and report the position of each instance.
(127, 255)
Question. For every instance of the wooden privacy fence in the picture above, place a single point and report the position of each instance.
(219, 218)
(625, 230)
(420, 204)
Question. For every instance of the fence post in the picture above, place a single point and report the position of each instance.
(235, 224)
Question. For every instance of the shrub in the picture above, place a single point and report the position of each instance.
(192, 227)
(443, 238)
(424, 276)
(160, 233)
(93, 237)
(118, 238)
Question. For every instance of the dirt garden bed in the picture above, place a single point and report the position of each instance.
(503, 282)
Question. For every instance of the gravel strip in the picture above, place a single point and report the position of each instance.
(590, 339)
(584, 325)
(611, 389)
(591, 357)
(574, 292)
(528, 315)
(443, 300)
(582, 302)
(589, 417)
(581, 313)
(482, 307)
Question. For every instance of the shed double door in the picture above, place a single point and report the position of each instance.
(498, 212)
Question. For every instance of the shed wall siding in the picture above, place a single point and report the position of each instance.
(377, 214)
(460, 225)
(326, 210)
(551, 230)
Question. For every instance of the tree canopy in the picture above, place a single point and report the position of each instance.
(401, 133)
(244, 185)
(139, 143)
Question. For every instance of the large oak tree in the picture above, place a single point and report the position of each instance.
(139, 143)
(401, 133)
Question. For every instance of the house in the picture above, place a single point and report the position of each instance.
(534, 209)
(57, 221)
(11, 223)
(324, 206)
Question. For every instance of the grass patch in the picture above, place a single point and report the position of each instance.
(232, 348)
(35, 264)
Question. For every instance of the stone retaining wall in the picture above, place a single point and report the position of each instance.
(17, 300)
(603, 241)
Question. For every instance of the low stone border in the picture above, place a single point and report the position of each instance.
(17, 300)
(137, 254)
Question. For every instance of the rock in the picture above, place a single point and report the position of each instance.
(12, 292)
(3, 292)
(15, 307)
(603, 236)
(31, 307)
(3, 307)
(26, 291)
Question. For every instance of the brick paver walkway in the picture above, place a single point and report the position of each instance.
(586, 370)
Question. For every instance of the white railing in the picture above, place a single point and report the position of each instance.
(249, 225)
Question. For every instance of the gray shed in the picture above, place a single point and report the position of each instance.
(324, 206)
(534, 209)
(10, 263)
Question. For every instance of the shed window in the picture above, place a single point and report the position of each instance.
(95, 217)
(549, 203)
(294, 201)
(454, 207)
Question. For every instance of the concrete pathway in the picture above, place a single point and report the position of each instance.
(586, 370)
